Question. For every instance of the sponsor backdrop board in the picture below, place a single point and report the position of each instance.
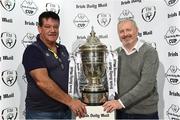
(158, 23)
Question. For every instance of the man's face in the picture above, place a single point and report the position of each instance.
(49, 31)
(127, 33)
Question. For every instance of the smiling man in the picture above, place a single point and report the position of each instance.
(137, 70)
(46, 65)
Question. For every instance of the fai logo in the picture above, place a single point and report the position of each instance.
(8, 4)
(9, 77)
(171, 2)
(125, 14)
(172, 36)
(173, 112)
(29, 7)
(103, 19)
(9, 113)
(148, 13)
(173, 75)
(8, 39)
(28, 39)
(81, 21)
(52, 7)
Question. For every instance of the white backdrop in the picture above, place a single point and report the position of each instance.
(158, 22)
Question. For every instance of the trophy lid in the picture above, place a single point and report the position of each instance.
(93, 43)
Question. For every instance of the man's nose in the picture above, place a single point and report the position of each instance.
(125, 33)
(53, 29)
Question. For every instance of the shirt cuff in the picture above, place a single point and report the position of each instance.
(121, 103)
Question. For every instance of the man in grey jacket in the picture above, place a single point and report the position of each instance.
(137, 84)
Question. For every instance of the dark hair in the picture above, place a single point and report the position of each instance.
(48, 14)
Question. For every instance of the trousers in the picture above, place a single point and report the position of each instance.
(66, 114)
(123, 115)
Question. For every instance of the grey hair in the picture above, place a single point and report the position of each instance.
(128, 19)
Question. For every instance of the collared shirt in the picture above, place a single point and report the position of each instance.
(37, 56)
(136, 47)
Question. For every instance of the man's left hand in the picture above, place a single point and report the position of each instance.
(112, 105)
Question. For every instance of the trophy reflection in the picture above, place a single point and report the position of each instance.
(93, 54)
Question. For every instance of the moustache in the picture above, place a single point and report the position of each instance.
(52, 34)
(126, 36)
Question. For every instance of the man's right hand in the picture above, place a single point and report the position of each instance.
(78, 108)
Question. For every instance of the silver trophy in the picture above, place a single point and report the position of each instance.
(93, 54)
(93, 70)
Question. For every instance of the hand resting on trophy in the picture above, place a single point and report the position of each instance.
(112, 105)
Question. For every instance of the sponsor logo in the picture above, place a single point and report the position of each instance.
(9, 113)
(28, 39)
(171, 2)
(172, 36)
(80, 6)
(91, 6)
(81, 37)
(8, 95)
(81, 21)
(103, 19)
(172, 54)
(8, 39)
(174, 14)
(102, 5)
(30, 23)
(173, 75)
(103, 36)
(94, 6)
(29, 7)
(140, 34)
(8, 57)
(125, 2)
(125, 14)
(53, 7)
(9, 77)
(148, 13)
(173, 112)
(7, 20)
(8, 4)
(172, 93)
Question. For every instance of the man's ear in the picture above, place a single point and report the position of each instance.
(39, 29)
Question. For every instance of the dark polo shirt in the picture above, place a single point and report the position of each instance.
(37, 56)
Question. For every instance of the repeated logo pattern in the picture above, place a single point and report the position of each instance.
(8, 4)
(9, 113)
(171, 2)
(8, 39)
(9, 77)
(81, 21)
(104, 19)
(53, 7)
(29, 7)
(148, 13)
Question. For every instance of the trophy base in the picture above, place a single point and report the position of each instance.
(94, 95)
(97, 113)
